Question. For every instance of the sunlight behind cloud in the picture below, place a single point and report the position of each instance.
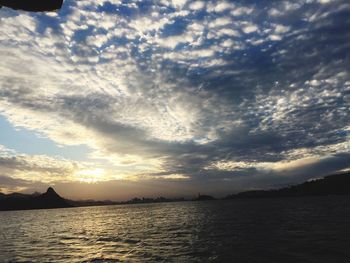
(90, 176)
(172, 89)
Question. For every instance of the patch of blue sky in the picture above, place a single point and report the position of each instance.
(108, 7)
(177, 28)
(28, 142)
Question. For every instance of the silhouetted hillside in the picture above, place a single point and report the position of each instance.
(204, 198)
(50, 199)
(338, 184)
(17, 201)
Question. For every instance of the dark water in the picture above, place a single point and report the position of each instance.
(266, 230)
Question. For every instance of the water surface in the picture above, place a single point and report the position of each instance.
(315, 229)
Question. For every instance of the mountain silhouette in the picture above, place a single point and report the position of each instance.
(17, 201)
(204, 198)
(50, 193)
(337, 184)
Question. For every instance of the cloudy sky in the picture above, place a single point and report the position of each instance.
(115, 99)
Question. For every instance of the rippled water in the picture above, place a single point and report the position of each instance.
(266, 230)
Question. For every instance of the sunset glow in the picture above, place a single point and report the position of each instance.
(193, 95)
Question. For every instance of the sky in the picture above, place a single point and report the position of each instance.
(116, 99)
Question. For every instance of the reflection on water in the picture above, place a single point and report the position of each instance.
(266, 230)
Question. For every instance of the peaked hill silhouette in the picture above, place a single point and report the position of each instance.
(17, 201)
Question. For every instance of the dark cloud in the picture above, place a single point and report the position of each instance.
(9, 184)
(6, 181)
(36, 164)
(322, 167)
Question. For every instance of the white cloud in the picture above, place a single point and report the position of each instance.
(250, 28)
(280, 29)
(275, 37)
(179, 3)
(242, 11)
(324, 1)
(197, 5)
(173, 41)
(221, 7)
(222, 21)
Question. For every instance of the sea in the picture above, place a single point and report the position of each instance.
(311, 229)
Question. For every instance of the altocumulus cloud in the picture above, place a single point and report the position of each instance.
(199, 93)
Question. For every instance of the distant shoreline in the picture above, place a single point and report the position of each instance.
(332, 185)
